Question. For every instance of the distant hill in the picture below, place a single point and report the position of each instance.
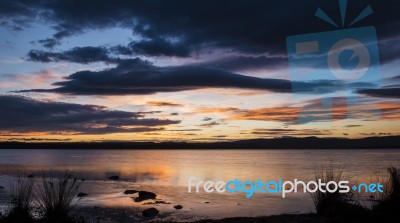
(389, 142)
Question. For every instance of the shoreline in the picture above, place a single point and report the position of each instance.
(125, 215)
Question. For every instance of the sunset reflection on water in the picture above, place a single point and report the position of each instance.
(166, 173)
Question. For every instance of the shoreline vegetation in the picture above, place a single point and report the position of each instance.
(384, 142)
(56, 199)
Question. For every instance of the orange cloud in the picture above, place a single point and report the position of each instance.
(164, 103)
(314, 111)
(279, 114)
(390, 111)
(289, 132)
(215, 110)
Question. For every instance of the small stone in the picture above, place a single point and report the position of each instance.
(114, 177)
(145, 195)
(148, 195)
(178, 207)
(30, 176)
(151, 212)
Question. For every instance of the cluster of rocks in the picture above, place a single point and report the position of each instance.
(146, 195)
(142, 196)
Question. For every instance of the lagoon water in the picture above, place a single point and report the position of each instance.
(166, 172)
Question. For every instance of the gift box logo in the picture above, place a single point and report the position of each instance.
(346, 56)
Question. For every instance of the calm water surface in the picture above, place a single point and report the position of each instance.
(166, 173)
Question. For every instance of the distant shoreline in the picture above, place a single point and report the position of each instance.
(387, 142)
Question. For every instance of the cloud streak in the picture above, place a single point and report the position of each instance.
(314, 111)
(164, 104)
(24, 115)
(382, 92)
(82, 55)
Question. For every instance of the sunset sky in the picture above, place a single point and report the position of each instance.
(184, 71)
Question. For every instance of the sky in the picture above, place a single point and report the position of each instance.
(194, 70)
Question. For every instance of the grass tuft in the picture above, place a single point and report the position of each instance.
(57, 197)
(388, 204)
(327, 203)
(21, 195)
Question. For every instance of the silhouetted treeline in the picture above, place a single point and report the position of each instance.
(389, 142)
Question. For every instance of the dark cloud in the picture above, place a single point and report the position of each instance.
(82, 55)
(190, 134)
(16, 15)
(21, 114)
(256, 26)
(220, 136)
(206, 119)
(245, 63)
(122, 50)
(376, 134)
(140, 77)
(211, 124)
(160, 47)
(382, 92)
(290, 132)
(184, 130)
(91, 54)
(393, 79)
(48, 43)
(352, 126)
(389, 50)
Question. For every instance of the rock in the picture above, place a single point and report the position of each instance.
(130, 191)
(207, 202)
(145, 195)
(30, 176)
(81, 194)
(114, 177)
(151, 212)
(178, 206)
(1, 188)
